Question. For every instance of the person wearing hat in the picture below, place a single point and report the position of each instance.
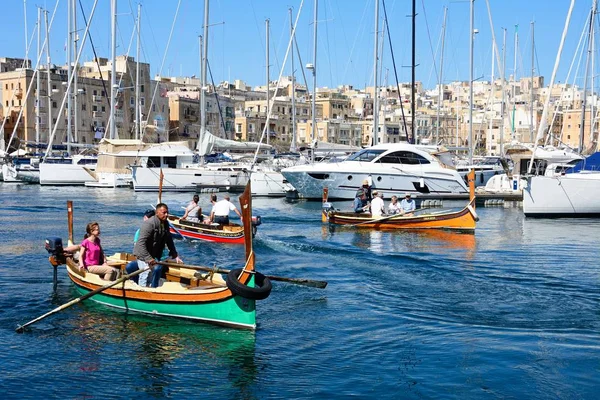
(366, 189)
(360, 202)
(407, 205)
(377, 205)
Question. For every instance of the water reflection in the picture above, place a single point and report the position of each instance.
(168, 352)
(401, 241)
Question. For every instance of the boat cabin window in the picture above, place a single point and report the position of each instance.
(170, 162)
(87, 161)
(403, 157)
(365, 155)
(153, 162)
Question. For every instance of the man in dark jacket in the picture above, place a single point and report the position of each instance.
(154, 235)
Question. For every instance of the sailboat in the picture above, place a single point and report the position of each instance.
(66, 168)
(571, 192)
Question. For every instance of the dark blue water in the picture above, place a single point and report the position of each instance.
(511, 312)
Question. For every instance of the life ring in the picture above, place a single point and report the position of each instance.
(260, 291)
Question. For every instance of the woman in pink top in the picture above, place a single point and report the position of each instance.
(91, 256)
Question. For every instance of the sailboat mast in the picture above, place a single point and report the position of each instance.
(113, 69)
(293, 144)
(376, 91)
(38, 78)
(138, 108)
(268, 79)
(69, 61)
(585, 82)
(471, 37)
(502, 107)
(514, 83)
(203, 80)
(49, 80)
(493, 100)
(437, 130)
(75, 36)
(412, 86)
(532, 75)
(314, 95)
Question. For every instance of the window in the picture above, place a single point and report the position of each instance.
(83, 107)
(53, 86)
(365, 155)
(54, 104)
(142, 88)
(95, 92)
(103, 108)
(153, 162)
(238, 128)
(131, 101)
(170, 162)
(142, 101)
(403, 157)
(94, 108)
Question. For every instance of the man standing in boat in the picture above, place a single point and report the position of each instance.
(154, 235)
(221, 209)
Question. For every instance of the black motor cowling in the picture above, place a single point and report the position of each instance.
(54, 246)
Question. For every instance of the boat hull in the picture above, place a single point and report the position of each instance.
(269, 184)
(65, 174)
(462, 220)
(218, 306)
(569, 195)
(232, 233)
(344, 179)
(187, 179)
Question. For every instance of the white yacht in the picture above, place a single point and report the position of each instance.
(521, 158)
(394, 168)
(485, 168)
(565, 190)
(115, 157)
(182, 171)
(67, 171)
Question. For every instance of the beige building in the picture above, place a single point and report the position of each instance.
(90, 103)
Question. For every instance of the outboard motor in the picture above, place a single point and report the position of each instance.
(327, 207)
(256, 221)
(55, 248)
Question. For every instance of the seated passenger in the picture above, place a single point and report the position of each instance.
(394, 207)
(360, 202)
(92, 258)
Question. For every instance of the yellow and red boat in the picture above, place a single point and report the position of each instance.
(461, 220)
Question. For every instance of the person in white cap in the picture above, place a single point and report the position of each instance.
(377, 205)
(407, 205)
(366, 188)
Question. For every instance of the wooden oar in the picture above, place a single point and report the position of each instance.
(21, 328)
(297, 281)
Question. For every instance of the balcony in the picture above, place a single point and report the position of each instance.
(96, 98)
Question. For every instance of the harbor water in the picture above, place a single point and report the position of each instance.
(510, 312)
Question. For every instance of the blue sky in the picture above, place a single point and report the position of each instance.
(345, 37)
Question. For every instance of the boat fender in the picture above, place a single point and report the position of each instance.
(260, 291)
(473, 213)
